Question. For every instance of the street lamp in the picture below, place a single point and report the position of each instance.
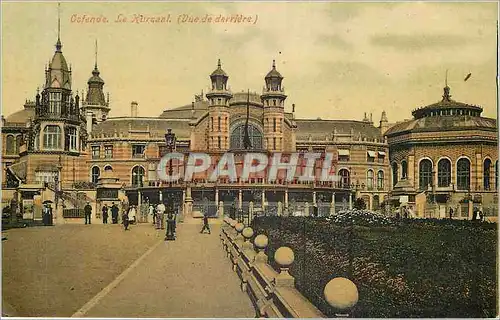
(170, 140)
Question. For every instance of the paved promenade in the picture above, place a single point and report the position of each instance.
(189, 277)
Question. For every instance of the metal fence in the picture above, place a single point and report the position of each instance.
(73, 213)
(209, 208)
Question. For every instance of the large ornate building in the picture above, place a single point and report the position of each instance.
(445, 158)
(67, 149)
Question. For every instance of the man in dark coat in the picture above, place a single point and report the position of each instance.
(114, 213)
(170, 227)
(88, 212)
(205, 223)
(105, 214)
(125, 219)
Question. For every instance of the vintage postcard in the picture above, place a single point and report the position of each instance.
(249, 159)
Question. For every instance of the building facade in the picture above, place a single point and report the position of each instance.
(67, 149)
(445, 158)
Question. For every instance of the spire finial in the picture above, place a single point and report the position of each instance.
(218, 63)
(274, 64)
(446, 78)
(58, 44)
(96, 53)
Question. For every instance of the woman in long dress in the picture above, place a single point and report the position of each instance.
(132, 214)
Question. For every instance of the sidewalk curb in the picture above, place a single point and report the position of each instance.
(92, 302)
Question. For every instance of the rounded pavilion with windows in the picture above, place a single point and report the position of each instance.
(445, 158)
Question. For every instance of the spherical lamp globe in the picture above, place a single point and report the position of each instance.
(284, 256)
(341, 293)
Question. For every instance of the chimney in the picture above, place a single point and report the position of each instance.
(133, 109)
(89, 121)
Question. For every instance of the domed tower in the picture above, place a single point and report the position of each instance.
(57, 122)
(273, 98)
(95, 107)
(57, 133)
(218, 110)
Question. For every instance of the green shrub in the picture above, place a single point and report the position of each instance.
(405, 268)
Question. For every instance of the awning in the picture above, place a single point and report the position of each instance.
(343, 152)
(19, 170)
(381, 153)
(371, 154)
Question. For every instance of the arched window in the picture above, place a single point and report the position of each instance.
(425, 174)
(137, 176)
(10, 145)
(95, 174)
(394, 174)
(52, 137)
(487, 174)
(444, 173)
(108, 168)
(463, 174)
(369, 179)
(238, 135)
(380, 180)
(404, 169)
(19, 142)
(345, 179)
(376, 202)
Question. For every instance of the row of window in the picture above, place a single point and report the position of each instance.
(13, 144)
(454, 112)
(444, 173)
(137, 175)
(52, 138)
(108, 152)
(345, 179)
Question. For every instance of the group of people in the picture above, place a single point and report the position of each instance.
(129, 216)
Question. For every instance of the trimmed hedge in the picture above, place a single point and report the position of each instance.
(402, 268)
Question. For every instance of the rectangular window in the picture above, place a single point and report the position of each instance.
(344, 155)
(218, 120)
(274, 124)
(55, 102)
(219, 142)
(381, 157)
(371, 156)
(274, 143)
(108, 152)
(96, 152)
(138, 150)
(72, 139)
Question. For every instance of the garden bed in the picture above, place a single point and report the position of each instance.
(402, 268)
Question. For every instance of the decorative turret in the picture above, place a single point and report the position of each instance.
(273, 97)
(95, 102)
(218, 109)
(384, 123)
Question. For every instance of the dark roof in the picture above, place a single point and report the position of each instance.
(218, 71)
(321, 129)
(184, 112)
(21, 116)
(156, 126)
(441, 123)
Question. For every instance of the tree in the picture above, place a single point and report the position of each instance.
(360, 204)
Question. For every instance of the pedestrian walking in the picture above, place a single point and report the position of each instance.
(451, 213)
(132, 214)
(105, 214)
(152, 212)
(125, 219)
(206, 226)
(170, 235)
(160, 211)
(114, 213)
(88, 212)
